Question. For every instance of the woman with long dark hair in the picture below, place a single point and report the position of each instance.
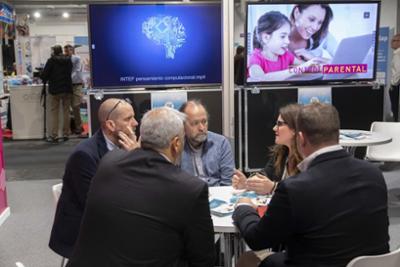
(284, 156)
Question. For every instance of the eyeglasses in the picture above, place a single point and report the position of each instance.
(279, 123)
(111, 110)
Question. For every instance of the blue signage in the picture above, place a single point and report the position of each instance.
(383, 54)
(6, 13)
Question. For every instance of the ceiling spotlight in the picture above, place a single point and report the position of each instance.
(37, 14)
(65, 15)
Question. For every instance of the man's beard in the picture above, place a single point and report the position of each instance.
(201, 138)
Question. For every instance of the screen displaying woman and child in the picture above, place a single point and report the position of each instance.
(311, 41)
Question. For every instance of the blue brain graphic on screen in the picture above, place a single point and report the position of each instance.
(167, 31)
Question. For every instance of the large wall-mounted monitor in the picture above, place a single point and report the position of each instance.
(155, 45)
(305, 42)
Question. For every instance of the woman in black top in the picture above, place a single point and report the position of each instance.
(284, 158)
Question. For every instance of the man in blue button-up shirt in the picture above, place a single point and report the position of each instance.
(206, 155)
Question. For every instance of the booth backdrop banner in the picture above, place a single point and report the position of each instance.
(1, 74)
(6, 13)
(3, 195)
(383, 55)
(172, 99)
(320, 94)
(41, 50)
(81, 40)
(23, 55)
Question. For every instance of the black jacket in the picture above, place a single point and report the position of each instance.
(144, 211)
(57, 72)
(79, 171)
(327, 215)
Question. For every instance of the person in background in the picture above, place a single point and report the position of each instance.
(309, 35)
(395, 80)
(239, 66)
(142, 209)
(271, 59)
(77, 85)
(118, 124)
(57, 73)
(207, 155)
(321, 213)
(284, 156)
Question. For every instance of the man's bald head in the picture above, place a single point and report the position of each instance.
(109, 109)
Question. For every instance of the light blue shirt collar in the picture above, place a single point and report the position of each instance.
(110, 145)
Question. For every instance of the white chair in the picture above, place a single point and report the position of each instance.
(57, 188)
(57, 191)
(389, 152)
(391, 259)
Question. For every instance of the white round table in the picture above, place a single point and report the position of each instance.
(351, 139)
(224, 225)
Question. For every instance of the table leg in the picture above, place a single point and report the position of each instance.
(351, 149)
(237, 249)
(238, 246)
(228, 249)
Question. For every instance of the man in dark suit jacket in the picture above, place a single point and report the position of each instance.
(142, 210)
(117, 125)
(330, 213)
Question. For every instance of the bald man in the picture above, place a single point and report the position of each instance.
(116, 117)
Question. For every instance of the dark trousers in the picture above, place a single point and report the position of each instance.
(394, 100)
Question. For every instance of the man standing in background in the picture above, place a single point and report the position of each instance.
(57, 73)
(395, 80)
(77, 85)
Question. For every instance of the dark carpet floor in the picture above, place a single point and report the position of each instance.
(36, 159)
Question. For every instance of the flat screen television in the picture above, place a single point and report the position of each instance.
(155, 45)
(304, 42)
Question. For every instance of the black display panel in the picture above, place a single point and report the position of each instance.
(294, 42)
(141, 102)
(358, 107)
(262, 112)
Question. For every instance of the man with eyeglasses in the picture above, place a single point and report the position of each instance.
(395, 80)
(207, 155)
(116, 117)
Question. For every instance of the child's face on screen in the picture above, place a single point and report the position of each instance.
(309, 21)
(277, 42)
